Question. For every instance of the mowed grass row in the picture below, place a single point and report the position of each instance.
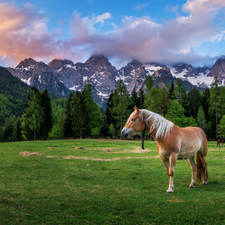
(108, 182)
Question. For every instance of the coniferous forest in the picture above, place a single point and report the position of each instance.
(44, 116)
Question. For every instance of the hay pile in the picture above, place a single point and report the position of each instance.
(140, 150)
(30, 154)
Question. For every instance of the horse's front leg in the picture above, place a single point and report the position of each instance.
(172, 159)
(192, 163)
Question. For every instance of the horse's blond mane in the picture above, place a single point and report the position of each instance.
(163, 125)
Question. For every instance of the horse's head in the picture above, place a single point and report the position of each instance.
(134, 123)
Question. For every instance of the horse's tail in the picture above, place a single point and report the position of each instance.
(200, 168)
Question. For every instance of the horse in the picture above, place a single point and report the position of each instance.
(172, 143)
(220, 140)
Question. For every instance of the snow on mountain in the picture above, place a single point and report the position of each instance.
(199, 79)
(152, 67)
(62, 76)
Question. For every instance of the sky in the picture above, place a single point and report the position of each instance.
(160, 31)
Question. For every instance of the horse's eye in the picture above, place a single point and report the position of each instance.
(133, 119)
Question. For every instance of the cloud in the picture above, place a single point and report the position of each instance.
(24, 33)
(141, 6)
(173, 9)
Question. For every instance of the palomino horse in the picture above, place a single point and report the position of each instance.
(172, 143)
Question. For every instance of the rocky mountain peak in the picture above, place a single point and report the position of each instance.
(97, 59)
(57, 64)
(135, 63)
(41, 67)
(218, 70)
(184, 68)
(26, 63)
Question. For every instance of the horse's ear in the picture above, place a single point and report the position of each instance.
(136, 109)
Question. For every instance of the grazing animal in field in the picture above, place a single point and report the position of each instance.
(220, 140)
(172, 143)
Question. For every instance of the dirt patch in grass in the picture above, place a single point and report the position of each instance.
(140, 150)
(51, 147)
(107, 149)
(105, 160)
(114, 140)
(218, 149)
(50, 157)
(174, 199)
(137, 150)
(30, 153)
(80, 148)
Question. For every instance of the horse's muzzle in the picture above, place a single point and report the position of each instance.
(125, 132)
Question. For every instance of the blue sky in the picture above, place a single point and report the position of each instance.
(149, 31)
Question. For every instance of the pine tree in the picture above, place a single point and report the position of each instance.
(47, 118)
(176, 115)
(205, 103)
(157, 100)
(172, 92)
(215, 101)
(27, 133)
(112, 130)
(180, 92)
(68, 131)
(110, 115)
(194, 101)
(79, 115)
(120, 102)
(149, 83)
(141, 98)
(61, 121)
(221, 127)
(17, 136)
(33, 113)
(89, 102)
(104, 129)
(201, 120)
(135, 99)
(4, 111)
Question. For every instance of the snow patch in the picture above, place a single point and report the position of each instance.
(151, 68)
(72, 67)
(74, 88)
(84, 78)
(26, 81)
(201, 79)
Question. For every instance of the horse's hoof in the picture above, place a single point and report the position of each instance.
(203, 184)
(190, 186)
(169, 192)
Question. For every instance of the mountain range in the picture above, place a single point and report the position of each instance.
(61, 76)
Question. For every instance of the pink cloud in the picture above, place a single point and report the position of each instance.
(24, 33)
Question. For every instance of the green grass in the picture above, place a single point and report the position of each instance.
(131, 190)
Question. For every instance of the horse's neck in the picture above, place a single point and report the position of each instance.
(154, 131)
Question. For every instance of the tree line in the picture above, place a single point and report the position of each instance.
(80, 117)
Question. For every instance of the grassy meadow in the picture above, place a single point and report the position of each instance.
(104, 182)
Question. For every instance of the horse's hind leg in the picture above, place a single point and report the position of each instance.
(192, 163)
